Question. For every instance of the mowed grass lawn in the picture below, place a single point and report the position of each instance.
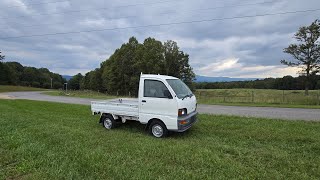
(5, 88)
(41, 140)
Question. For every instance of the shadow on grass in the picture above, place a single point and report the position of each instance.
(136, 128)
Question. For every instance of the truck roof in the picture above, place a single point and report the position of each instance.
(163, 77)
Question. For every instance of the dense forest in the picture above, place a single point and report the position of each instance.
(13, 73)
(120, 73)
(285, 83)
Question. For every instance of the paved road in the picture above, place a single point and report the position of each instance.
(265, 112)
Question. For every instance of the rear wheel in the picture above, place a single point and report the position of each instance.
(108, 122)
(158, 129)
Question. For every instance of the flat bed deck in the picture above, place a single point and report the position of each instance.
(123, 107)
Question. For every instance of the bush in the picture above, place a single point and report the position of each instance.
(46, 85)
(35, 84)
(57, 85)
(25, 83)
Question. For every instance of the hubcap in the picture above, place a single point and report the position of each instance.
(157, 130)
(107, 123)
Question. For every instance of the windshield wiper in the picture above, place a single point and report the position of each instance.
(186, 96)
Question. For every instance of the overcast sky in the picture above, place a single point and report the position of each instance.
(241, 47)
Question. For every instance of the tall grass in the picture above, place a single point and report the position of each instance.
(7, 88)
(258, 96)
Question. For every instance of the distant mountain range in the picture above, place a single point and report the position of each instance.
(67, 77)
(200, 79)
(221, 79)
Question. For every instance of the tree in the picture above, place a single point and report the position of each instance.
(13, 73)
(95, 80)
(7, 73)
(120, 73)
(75, 81)
(307, 52)
(1, 57)
(4, 71)
(84, 85)
(176, 63)
(318, 85)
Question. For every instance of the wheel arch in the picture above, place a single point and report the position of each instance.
(104, 115)
(154, 119)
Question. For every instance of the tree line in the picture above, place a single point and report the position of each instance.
(285, 83)
(13, 73)
(120, 73)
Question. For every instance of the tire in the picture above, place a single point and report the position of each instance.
(108, 122)
(158, 129)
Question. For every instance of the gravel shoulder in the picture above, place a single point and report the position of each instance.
(264, 112)
(4, 96)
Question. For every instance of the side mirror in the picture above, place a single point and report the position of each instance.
(167, 94)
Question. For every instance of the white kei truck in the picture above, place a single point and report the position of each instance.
(164, 104)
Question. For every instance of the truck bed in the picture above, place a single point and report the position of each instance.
(121, 107)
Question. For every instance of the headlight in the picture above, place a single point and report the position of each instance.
(182, 112)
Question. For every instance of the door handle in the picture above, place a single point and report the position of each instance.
(144, 101)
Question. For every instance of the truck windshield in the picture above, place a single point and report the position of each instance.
(180, 88)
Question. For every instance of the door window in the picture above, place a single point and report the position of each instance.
(154, 88)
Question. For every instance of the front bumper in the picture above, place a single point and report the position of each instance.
(190, 118)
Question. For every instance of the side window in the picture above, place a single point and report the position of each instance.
(154, 88)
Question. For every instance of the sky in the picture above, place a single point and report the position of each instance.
(75, 36)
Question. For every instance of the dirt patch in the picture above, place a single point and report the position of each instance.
(3, 96)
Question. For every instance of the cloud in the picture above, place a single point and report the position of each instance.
(249, 47)
(221, 66)
(233, 68)
(93, 22)
(17, 4)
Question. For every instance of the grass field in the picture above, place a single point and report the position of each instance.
(5, 88)
(41, 140)
(259, 97)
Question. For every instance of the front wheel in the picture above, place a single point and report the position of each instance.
(108, 122)
(158, 129)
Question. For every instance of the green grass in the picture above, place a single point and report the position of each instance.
(81, 94)
(5, 88)
(41, 140)
(259, 97)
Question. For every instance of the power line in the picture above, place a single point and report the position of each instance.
(163, 24)
(33, 4)
(166, 13)
(94, 9)
(48, 24)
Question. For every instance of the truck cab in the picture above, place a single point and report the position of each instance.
(164, 104)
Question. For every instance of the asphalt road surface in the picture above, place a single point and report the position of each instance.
(264, 112)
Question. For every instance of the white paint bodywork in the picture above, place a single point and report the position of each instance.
(144, 109)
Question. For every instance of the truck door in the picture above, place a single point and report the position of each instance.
(157, 101)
